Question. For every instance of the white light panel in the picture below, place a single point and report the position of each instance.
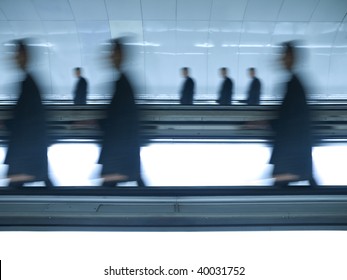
(188, 164)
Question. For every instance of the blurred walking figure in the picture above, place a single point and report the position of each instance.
(292, 151)
(80, 91)
(27, 148)
(254, 88)
(226, 89)
(187, 91)
(120, 154)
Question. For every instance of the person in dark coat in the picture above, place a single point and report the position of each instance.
(187, 91)
(254, 89)
(27, 149)
(292, 150)
(80, 91)
(120, 154)
(226, 89)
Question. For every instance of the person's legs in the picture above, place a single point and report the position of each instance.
(48, 183)
(313, 182)
(109, 184)
(16, 184)
(111, 179)
(18, 180)
(141, 182)
(283, 180)
(281, 184)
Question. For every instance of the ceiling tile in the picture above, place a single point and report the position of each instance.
(5, 28)
(93, 26)
(159, 9)
(160, 36)
(297, 10)
(225, 34)
(228, 9)
(330, 10)
(192, 37)
(340, 43)
(321, 33)
(28, 28)
(53, 10)
(256, 34)
(124, 10)
(262, 10)
(127, 28)
(89, 10)
(341, 38)
(290, 28)
(18, 10)
(59, 28)
(2, 15)
(92, 34)
(193, 10)
(288, 31)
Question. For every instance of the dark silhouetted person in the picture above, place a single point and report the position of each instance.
(187, 91)
(27, 149)
(253, 94)
(292, 150)
(120, 154)
(80, 91)
(226, 89)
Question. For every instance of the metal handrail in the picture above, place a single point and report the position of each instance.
(186, 122)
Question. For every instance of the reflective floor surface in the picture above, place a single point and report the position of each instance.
(188, 164)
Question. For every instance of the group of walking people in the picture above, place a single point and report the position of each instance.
(120, 153)
(226, 90)
(292, 149)
(28, 140)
